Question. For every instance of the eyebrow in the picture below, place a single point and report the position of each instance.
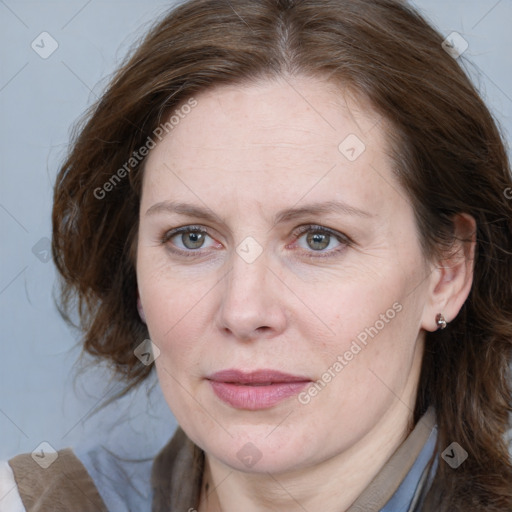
(288, 214)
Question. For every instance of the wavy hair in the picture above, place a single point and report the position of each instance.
(449, 156)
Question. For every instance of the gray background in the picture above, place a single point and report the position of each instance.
(40, 398)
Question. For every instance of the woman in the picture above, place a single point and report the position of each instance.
(311, 226)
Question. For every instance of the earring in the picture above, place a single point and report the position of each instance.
(440, 321)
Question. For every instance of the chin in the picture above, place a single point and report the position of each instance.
(257, 451)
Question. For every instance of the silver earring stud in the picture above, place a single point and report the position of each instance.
(440, 321)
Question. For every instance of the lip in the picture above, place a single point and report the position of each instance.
(260, 389)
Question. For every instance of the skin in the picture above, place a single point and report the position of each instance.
(245, 153)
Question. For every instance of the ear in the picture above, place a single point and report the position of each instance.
(140, 309)
(452, 275)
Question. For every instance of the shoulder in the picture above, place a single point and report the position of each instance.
(124, 482)
(10, 500)
(57, 482)
(92, 478)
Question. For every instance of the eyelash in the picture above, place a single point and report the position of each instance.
(344, 240)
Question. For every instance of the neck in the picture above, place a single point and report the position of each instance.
(330, 486)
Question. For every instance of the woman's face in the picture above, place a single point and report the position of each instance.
(297, 252)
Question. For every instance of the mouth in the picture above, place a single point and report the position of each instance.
(261, 389)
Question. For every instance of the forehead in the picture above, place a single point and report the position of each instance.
(289, 134)
(301, 111)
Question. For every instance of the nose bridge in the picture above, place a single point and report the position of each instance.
(244, 278)
(246, 283)
(250, 300)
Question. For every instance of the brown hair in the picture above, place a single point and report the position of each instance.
(449, 157)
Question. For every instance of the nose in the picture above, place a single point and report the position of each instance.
(252, 302)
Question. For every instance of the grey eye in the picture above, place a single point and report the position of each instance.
(193, 239)
(318, 241)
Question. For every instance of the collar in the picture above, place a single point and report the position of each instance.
(400, 484)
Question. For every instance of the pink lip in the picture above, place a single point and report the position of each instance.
(260, 389)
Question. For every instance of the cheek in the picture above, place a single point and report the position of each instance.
(374, 325)
(351, 309)
(168, 296)
(178, 317)
(173, 319)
